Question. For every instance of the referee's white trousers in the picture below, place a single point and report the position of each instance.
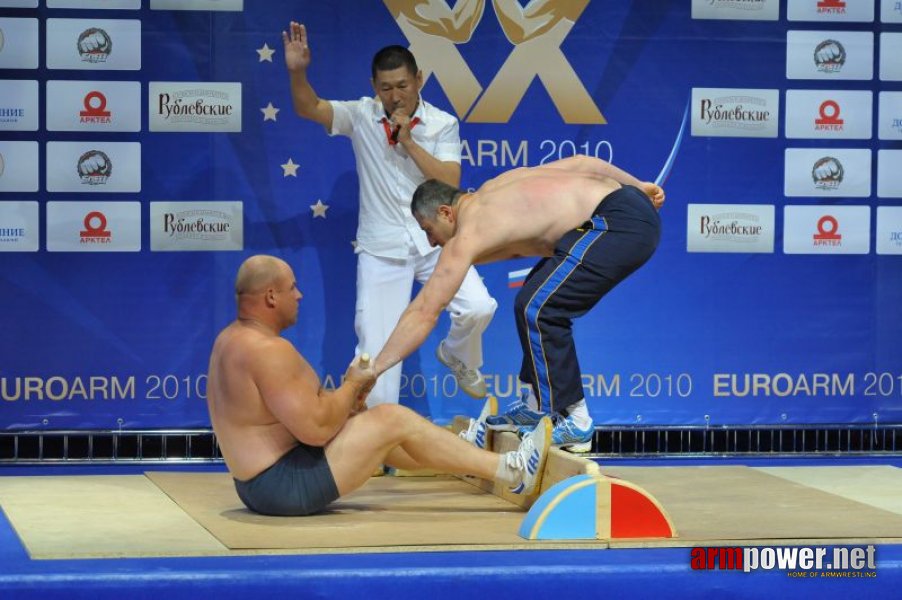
(384, 287)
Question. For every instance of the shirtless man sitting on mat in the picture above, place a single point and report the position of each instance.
(292, 446)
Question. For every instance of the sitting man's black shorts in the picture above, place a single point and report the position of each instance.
(300, 483)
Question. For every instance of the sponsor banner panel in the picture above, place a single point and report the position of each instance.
(94, 44)
(841, 11)
(889, 116)
(827, 172)
(832, 55)
(93, 226)
(738, 10)
(95, 4)
(226, 5)
(19, 226)
(18, 166)
(889, 173)
(829, 114)
(889, 230)
(94, 106)
(94, 167)
(18, 105)
(891, 11)
(729, 112)
(730, 228)
(826, 229)
(194, 106)
(18, 43)
(199, 226)
(890, 51)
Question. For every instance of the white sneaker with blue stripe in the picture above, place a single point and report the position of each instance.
(518, 415)
(529, 458)
(477, 433)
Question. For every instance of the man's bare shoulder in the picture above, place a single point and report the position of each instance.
(484, 229)
(253, 349)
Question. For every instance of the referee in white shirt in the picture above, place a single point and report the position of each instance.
(399, 141)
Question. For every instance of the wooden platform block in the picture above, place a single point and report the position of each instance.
(560, 465)
(575, 500)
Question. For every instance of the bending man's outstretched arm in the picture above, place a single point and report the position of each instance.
(420, 317)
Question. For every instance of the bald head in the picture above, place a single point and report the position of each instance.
(258, 273)
(267, 293)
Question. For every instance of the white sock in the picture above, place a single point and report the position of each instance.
(506, 473)
(580, 414)
(531, 401)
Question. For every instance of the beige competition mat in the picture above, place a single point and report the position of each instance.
(387, 511)
(192, 514)
(878, 486)
(100, 516)
(714, 505)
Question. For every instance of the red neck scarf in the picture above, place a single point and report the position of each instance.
(391, 134)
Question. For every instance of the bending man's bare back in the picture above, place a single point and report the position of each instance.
(523, 212)
(555, 200)
(291, 445)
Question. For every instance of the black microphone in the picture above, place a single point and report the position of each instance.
(394, 134)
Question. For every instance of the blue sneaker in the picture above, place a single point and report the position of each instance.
(518, 415)
(477, 433)
(529, 458)
(568, 436)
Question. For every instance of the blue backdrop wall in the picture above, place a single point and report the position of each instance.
(774, 296)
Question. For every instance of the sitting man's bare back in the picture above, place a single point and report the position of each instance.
(292, 446)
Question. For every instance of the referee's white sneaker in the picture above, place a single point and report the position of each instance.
(470, 381)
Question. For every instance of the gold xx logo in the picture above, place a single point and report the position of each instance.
(434, 29)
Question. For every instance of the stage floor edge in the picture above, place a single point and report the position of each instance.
(637, 573)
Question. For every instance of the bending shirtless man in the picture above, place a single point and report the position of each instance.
(592, 223)
(294, 447)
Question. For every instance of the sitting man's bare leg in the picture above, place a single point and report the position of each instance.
(394, 434)
(399, 459)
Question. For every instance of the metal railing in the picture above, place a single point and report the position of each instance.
(199, 445)
(746, 440)
(105, 447)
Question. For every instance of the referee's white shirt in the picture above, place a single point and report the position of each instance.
(388, 176)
